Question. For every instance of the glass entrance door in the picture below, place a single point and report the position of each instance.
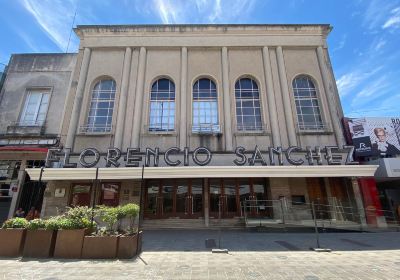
(230, 195)
(223, 198)
(181, 198)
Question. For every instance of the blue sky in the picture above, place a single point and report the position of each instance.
(364, 44)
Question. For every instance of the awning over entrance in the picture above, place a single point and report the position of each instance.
(24, 149)
(122, 173)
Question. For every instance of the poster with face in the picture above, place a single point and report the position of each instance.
(378, 137)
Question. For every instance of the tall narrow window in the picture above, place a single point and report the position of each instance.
(101, 107)
(307, 105)
(248, 112)
(205, 107)
(162, 106)
(35, 108)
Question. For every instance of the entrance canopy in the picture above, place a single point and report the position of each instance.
(124, 173)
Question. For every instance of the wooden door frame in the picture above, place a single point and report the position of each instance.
(146, 200)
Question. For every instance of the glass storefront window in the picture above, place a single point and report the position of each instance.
(168, 197)
(81, 195)
(197, 196)
(230, 195)
(109, 194)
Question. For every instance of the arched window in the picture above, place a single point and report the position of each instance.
(162, 106)
(307, 105)
(101, 107)
(248, 112)
(205, 107)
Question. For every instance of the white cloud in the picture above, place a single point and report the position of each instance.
(202, 11)
(167, 11)
(54, 17)
(394, 19)
(349, 81)
(381, 43)
(373, 89)
(341, 44)
(377, 13)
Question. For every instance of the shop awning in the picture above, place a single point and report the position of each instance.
(24, 149)
(124, 173)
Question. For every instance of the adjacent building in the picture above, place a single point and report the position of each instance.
(31, 111)
(202, 122)
(377, 142)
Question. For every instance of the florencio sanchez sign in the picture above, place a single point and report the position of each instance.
(173, 156)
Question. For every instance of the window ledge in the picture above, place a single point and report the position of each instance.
(314, 132)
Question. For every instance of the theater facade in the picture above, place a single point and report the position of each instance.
(207, 123)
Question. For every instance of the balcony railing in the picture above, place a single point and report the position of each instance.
(251, 128)
(207, 129)
(95, 129)
(307, 126)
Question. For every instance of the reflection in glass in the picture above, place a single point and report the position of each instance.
(167, 197)
(230, 194)
(182, 197)
(152, 193)
(215, 191)
(197, 196)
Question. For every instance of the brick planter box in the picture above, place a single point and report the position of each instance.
(39, 243)
(11, 242)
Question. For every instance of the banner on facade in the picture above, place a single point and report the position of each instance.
(375, 136)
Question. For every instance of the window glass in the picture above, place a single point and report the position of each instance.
(80, 195)
(101, 107)
(248, 111)
(205, 107)
(162, 106)
(35, 108)
(109, 194)
(307, 106)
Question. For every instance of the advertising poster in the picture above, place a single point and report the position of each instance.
(378, 137)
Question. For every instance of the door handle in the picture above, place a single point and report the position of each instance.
(191, 198)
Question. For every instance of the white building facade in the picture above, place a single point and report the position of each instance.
(231, 121)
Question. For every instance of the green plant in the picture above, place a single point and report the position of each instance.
(131, 210)
(78, 212)
(36, 224)
(74, 218)
(15, 223)
(52, 223)
(109, 215)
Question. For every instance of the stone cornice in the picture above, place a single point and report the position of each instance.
(164, 30)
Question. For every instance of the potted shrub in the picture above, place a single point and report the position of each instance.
(103, 244)
(40, 239)
(129, 243)
(71, 229)
(12, 237)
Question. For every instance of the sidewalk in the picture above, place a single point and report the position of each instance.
(183, 255)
